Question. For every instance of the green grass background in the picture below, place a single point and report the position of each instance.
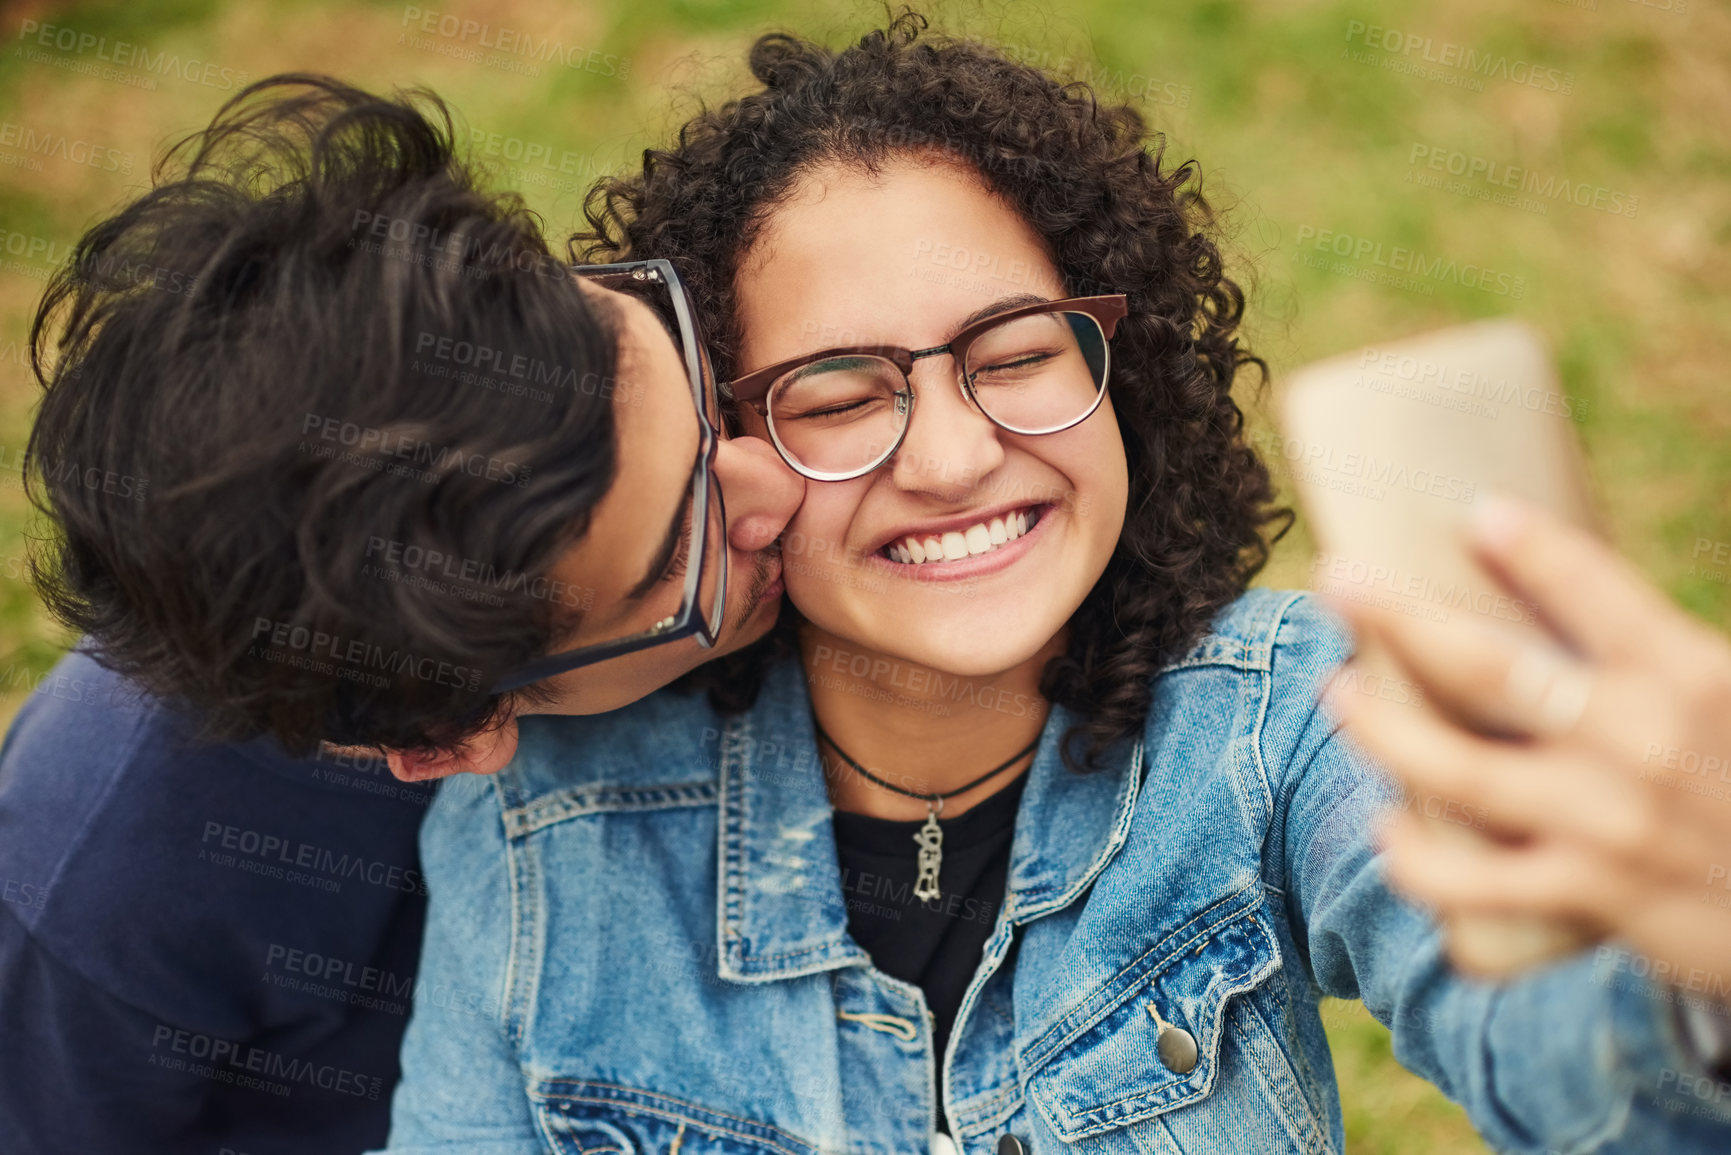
(1291, 131)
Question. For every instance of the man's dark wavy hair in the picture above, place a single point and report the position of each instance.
(303, 279)
(1091, 180)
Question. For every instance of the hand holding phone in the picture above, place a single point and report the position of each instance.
(1390, 447)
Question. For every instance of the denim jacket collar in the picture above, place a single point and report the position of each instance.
(781, 911)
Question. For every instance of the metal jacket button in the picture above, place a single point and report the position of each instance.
(1176, 1045)
(1010, 1145)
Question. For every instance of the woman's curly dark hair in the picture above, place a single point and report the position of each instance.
(1089, 179)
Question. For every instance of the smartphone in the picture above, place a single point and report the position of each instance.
(1389, 447)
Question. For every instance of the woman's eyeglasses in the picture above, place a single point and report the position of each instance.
(840, 413)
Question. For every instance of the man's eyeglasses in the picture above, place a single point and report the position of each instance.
(1030, 369)
(697, 537)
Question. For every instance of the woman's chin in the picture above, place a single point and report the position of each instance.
(954, 649)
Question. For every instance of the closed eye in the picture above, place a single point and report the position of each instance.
(681, 559)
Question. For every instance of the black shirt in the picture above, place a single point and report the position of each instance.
(935, 946)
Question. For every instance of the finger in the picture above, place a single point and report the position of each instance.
(1529, 789)
(1685, 935)
(1484, 678)
(1594, 599)
(1685, 939)
(1544, 879)
(1496, 683)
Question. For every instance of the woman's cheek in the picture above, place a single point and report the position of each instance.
(814, 547)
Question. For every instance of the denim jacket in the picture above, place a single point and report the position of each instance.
(645, 913)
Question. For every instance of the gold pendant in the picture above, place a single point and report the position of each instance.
(930, 840)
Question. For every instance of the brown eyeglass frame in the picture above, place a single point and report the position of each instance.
(753, 388)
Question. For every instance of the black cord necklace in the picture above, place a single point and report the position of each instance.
(930, 837)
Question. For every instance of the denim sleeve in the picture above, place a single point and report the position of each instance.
(462, 1089)
(1565, 1059)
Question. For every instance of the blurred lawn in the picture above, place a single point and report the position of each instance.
(1296, 127)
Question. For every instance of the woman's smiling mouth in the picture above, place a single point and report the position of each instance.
(967, 550)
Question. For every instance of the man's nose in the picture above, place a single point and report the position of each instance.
(761, 492)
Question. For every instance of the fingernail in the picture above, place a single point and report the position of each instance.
(1497, 521)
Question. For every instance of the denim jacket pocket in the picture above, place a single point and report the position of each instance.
(1100, 1067)
(580, 1117)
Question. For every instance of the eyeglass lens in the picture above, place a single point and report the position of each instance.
(1035, 373)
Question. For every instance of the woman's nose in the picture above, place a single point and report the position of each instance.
(760, 491)
(950, 445)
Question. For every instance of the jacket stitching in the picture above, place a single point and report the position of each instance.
(1040, 1051)
(1034, 904)
(643, 1102)
(522, 976)
(1108, 1116)
(582, 801)
(1288, 1089)
(734, 737)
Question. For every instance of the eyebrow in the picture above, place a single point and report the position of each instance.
(1001, 305)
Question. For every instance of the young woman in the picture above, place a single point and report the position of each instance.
(1029, 835)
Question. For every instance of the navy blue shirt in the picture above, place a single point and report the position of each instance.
(202, 948)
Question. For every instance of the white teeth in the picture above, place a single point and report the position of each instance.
(955, 545)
